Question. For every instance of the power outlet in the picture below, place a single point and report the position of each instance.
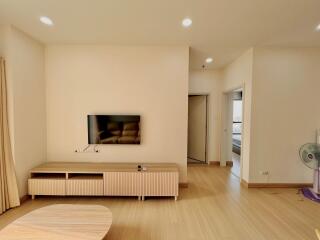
(264, 173)
(92, 150)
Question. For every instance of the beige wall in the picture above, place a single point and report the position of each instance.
(210, 82)
(281, 92)
(1, 40)
(26, 95)
(239, 74)
(285, 112)
(236, 73)
(92, 79)
(281, 89)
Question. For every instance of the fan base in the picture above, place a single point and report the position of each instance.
(310, 194)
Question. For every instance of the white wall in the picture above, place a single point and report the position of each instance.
(91, 79)
(281, 95)
(210, 82)
(26, 99)
(239, 74)
(285, 112)
(1, 40)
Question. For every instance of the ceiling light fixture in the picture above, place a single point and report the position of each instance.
(187, 22)
(209, 60)
(46, 20)
(318, 28)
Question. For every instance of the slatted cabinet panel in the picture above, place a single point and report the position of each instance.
(84, 184)
(122, 184)
(84, 187)
(160, 184)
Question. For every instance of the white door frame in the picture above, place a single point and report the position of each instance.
(227, 119)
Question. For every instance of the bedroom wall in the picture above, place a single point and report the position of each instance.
(26, 99)
(99, 79)
(210, 82)
(284, 113)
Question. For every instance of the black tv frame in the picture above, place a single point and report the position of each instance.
(116, 118)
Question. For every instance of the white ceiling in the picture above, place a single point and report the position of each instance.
(222, 29)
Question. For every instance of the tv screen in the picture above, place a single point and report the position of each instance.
(113, 129)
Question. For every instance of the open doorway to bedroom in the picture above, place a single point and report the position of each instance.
(237, 109)
(231, 146)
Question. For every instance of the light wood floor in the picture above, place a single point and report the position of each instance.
(235, 169)
(214, 206)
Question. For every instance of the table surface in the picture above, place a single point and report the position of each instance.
(90, 167)
(61, 222)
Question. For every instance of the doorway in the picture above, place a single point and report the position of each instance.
(232, 119)
(237, 110)
(197, 129)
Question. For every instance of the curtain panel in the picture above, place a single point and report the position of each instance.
(9, 195)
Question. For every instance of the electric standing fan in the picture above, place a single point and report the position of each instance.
(310, 156)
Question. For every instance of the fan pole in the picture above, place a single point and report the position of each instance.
(316, 180)
(310, 155)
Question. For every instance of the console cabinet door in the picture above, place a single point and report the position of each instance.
(160, 184)
(122, 184)
(47, 187)
(84, 187)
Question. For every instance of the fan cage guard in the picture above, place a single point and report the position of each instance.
(310, 156)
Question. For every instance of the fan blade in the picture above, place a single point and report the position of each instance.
(310, 155)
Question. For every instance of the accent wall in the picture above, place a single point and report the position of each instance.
(151, 81)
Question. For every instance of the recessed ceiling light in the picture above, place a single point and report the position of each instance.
(209, 60)
(45, 20)
(187, 22)
(318, 28)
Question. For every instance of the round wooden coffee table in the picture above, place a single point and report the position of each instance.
(61, 222)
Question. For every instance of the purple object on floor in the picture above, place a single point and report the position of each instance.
(308, 193)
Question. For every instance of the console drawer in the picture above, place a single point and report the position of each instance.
(84, 187)
(47, 187)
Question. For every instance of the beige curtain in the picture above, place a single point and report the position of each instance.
(9, 196)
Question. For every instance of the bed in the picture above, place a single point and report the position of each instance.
(236, 143)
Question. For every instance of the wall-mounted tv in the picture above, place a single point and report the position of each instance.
(114, 129)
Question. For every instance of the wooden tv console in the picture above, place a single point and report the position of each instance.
(104, 179)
